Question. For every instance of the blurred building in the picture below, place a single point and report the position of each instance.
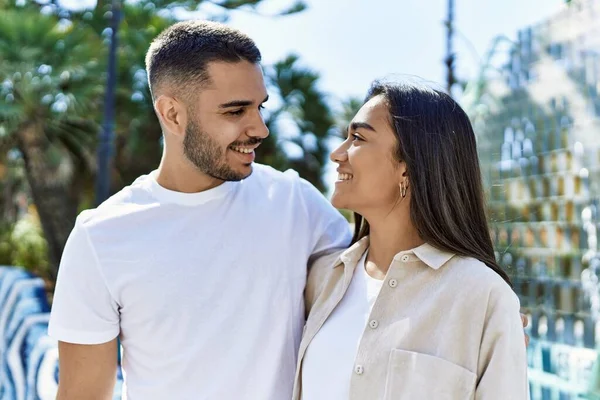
(538, 129)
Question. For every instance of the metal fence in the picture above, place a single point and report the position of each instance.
(28, 356)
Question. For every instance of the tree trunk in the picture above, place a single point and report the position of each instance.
(50, 182)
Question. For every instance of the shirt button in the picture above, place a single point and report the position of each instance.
(393, 283)
(373, 324)
(359, 370)
(405, 258)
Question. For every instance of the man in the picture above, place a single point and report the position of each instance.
(200, 266)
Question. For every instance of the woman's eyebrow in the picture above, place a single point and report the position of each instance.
(357, 125)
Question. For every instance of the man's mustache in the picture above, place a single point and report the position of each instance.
(250, 142)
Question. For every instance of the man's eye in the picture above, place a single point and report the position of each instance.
(236, 112)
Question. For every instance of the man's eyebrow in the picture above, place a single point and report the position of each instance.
(240, 103)
(358, 125)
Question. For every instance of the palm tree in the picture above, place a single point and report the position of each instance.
(350, 108)
(476, 92)
(302, 124)
(52, 74)
(51, 88)
(137, 131)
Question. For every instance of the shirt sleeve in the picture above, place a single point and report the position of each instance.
(83, 309)
(318, 275)
(331, 230)
(502, 367)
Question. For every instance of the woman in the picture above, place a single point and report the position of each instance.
(417, 307)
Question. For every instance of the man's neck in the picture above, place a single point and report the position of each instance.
(180, 175)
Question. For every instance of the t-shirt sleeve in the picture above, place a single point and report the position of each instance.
(83, 310)
(331, 231)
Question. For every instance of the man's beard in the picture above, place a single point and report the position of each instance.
(206, 154)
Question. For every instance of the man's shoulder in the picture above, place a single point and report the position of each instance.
(270, 180)
(129, 200)
(291, 186)
(269, 175)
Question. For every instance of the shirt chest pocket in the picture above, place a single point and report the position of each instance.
(420, 376)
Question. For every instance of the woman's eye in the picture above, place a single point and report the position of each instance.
(356, 137)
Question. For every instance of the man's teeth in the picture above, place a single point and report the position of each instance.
(344, 177)
(242, 150)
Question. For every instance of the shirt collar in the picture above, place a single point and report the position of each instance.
(431, 256)
(353, 254)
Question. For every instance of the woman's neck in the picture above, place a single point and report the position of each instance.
(389, 236)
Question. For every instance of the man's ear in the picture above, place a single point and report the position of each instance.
(172, 115)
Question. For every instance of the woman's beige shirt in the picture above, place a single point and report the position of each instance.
(442, 327)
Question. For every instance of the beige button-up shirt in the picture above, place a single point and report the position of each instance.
(448, 327)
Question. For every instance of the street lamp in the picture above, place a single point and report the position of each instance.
(105, 143)
(450, 56)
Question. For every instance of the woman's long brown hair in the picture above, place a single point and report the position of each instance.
(437, 143)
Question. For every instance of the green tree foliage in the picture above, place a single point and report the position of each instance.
(302, 123)
(52, 84)
(50, 74)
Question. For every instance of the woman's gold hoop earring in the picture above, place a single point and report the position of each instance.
(403, 189)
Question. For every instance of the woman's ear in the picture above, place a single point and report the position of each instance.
(403, 182)
(402, 171)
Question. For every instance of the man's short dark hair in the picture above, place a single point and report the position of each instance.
(179, 55)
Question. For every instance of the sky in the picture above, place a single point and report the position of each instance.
(352, 42)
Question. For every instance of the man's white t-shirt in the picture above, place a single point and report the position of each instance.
(329, 359)
(205, 290)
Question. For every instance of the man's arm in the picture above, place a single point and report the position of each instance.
(330, 236)
(330, 230)
(87, 371)
(85, 320)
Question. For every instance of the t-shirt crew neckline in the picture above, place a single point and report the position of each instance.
(165, 195)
